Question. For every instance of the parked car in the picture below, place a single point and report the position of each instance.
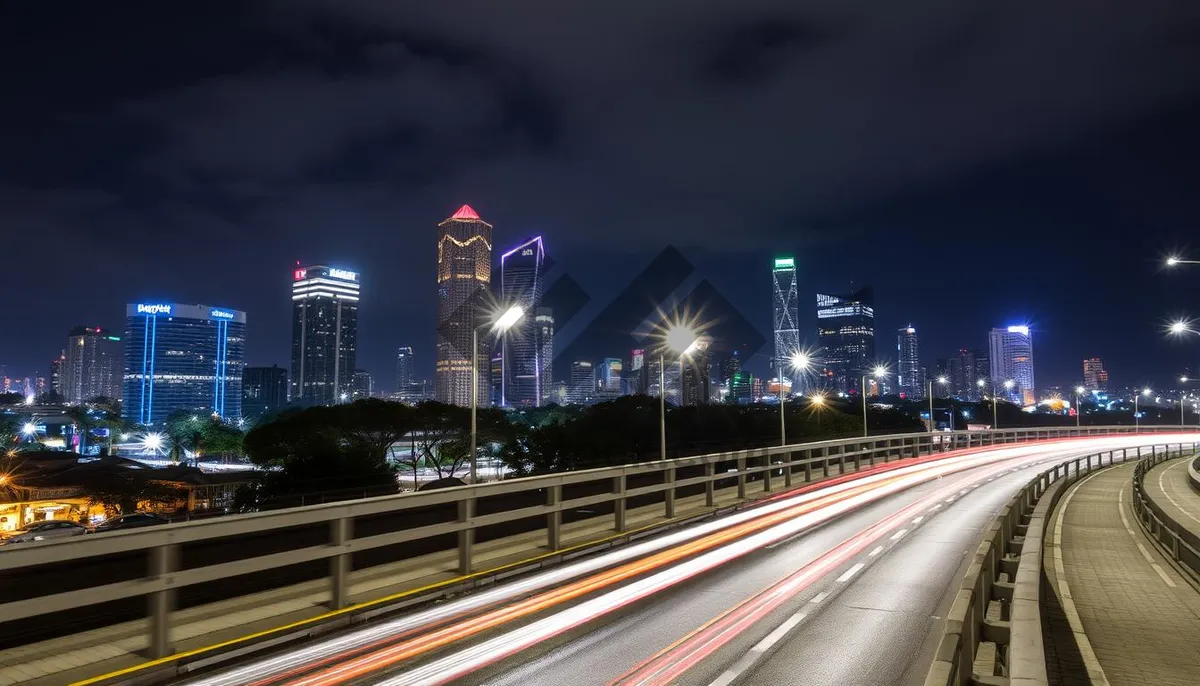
(130, 521)
(45, 531)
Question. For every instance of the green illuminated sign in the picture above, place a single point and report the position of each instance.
(785, 263)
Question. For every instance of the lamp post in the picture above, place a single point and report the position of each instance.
(1079, 391)
(1182, 402)
(500, 324)
(678, 339)
(941, 380)
(799, 362)
(1137, 420)
(879, 372)
(1175, 260)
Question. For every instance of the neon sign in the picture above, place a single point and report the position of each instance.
(221, 314)
(156, 308)
(300, 274)
(526, 252)
(343, 274)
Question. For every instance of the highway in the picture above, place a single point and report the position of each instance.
(845, 583)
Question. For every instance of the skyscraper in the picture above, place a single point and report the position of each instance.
(1012, 359)
(696, 375)
(637, 380)
(1094, 376)
(92, 365)
(404, 368)
(909, 379)
(264, 391)
(521, 350)
(361, 384)
(582, 389)
(57, 368)
(544, 318)
(182, 357)
(464, 275)
(324, 333)
(787, 316)
(846, 333)
(609, 383)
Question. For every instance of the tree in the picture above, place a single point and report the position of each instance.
(122, 490)
(84, 422)
(441, 438)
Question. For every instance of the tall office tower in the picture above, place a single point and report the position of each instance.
(730, 366)
(1012, 359)
(610, 372)
(521, 368)
(93, 365)
(57, 368)
(846, 334)
(582, 389)
(404, 368)
(981, 370)
(696, 375)
(361, 385)
(636, 381)
(464, 277)
(741, 388)
(264, 391)
(1094, 376)
(910, 380)
(182, 358)
(787, 316)
(324, 333)
(544, 318)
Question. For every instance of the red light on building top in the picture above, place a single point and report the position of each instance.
(300, 274)
(465, 212)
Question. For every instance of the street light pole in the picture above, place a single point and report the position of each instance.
(799, 363)
(501, 324)
(864, 402)
(1079, 391)
(662, 404)
(1182, 402)
(1137, 420)
(941, 380)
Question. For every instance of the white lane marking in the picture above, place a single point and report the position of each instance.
(937, 507)
(819, 597)
(949, 500)
(898, 535)
(1090, 661)
(1170, 497)
(918, 519)
(779, 632)
(875, 552)
(1145, 553)
(752, 656)
(962, 492)
(850, 572)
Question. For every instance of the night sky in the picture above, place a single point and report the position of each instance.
(979, 165)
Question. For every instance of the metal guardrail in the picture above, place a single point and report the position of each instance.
(1176, 540)
(998, 602)
(160, 547)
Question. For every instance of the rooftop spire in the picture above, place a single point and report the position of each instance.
(465, 212)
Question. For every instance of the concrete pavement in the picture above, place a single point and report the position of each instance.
(1135, 620)
(1168, 486)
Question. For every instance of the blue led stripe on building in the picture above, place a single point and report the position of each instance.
(150, 379)
(142, 381)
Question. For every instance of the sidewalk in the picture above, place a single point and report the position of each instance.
(1135, 620)
(1168, 486)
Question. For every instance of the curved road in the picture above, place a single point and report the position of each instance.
(842, 584)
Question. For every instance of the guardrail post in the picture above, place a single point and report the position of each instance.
(669, 494)
(466, 537)
(767, 473)
(741, 477)
(618, 488)
(554, 519)
(163, 561)
(787, 469)
(710, 486)
(825, 461)
(339, 565)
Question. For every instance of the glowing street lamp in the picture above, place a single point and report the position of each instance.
(1180, 327)
(1182, 402)
(152, 442)
(941, 380)
(1175, 260)
(1137, 420)
(29, 429)
(1079, 391)
(879, 372)
(498, 325)
(678, 339)
(799, 362)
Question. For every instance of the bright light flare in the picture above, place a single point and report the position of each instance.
(510, 317)
(817, 399)
(941, 379)
(1080, 390)
(152, 441)
(29, 429)
(1009, 384)
(1180, 327)
(1172, 260)
(1146, 392)
(801, 361)
(879, 372)
(681, 339)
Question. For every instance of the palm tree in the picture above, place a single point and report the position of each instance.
(83, 422)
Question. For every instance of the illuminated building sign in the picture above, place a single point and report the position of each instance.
(526, 252)
(1023, 330)
(221, 314)
(299, 274)
(156, 308)
(343, 274)
(785, 263)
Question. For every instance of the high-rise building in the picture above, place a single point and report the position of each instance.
(786, 316)
(730, 366)
(182, 357)
(361, 385)
(910, 380)
(521, 355)
(1012, 359)
(1095, 378)
(609, 382)
(544, 318)
(582, 389)
(93, 365)
(846, 333)
(636, 380)
(57, 369)
(324, 333)
(404, 367)
(741, 388)
(464, 277)
(696, 379)
(264, 391)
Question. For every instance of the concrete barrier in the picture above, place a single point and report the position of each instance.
(1175, 540)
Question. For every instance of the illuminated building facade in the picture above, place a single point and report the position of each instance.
(846, 335)
(786, 315)
(324, 333)
(544, 318)
(522, 355)
(464, 276)
(1011, 355)
(182, 357)
(609, 382)
(908, 363)
(91, 365)
(582, 389)
(1095, 378)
